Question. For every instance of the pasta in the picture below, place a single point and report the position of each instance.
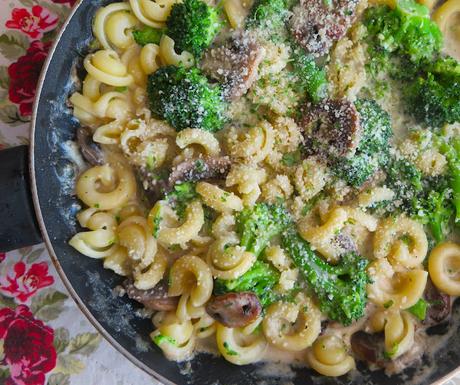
(402, 241)
(271, 192)
(249, 350)
(220, 200)
(443, 265)
(329, 357)
(251, 146)
(191, 276)
(106, 66)
(106, 187)
(152, 12)
(170, 57)
(445, 13)
(399, 329)
(236, 11)
(291, 326)
(399, 290)
(175, 338)
(247, 179)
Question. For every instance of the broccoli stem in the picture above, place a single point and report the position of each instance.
(341, 289)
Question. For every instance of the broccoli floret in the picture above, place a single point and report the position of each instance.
(405, 180)
(269, 15)
(406, 30)
(356, 170)
(310, 78)
(372, 151)
(147, 35)
(433, 100)
(256, 225)
(451, 150)
(185, 98)
(434, 207)
(259, 279)
(193, 24)
(429, 200)
(341, 289)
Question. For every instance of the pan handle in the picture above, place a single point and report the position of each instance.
(18, 225)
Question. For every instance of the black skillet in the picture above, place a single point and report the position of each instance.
(43, 176)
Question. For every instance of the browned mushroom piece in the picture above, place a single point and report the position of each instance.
(368, 347)
(156, 298)
(90, 150)
(234, 310)
(331, 128)
(234, 64)
(199, 169)
(316, 25)
(440, 306)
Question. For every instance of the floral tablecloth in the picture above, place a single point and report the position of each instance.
(44, 339)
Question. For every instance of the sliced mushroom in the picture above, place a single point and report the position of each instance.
(331, 128)
(156, 298)
(369, 347)
(234, 64)
(440, 306)
(234, 310)
(199, 169)
(90, 150)
(316, 25)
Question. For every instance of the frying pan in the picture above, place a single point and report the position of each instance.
(37, 202)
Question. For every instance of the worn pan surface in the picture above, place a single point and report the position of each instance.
(53, 169)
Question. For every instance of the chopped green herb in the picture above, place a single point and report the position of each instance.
(161, 339)
(419, 309)
(388, 304)
(291, 158)
(229, 351)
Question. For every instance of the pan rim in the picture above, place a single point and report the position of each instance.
(75, 297)
(38, 213)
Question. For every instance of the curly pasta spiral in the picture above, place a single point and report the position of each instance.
(310, 178)
(186, 231)
(100, 241)
(205, 326)
(106, 187)
(236, 11)
(134, 234)
(444, 265)
(190, 276)
(195, 136)
(279, 187)
(390, 242)
(322, 237)
(175, 338)
(247, 178)
(329, 356)
(239, 348)
(399, 329)
(170, 57)
(398, 290)
(292, 326)
(228, 262)
(251, 146)
(105, 25)
(218, 199)
(106, 66)
(152, 12)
